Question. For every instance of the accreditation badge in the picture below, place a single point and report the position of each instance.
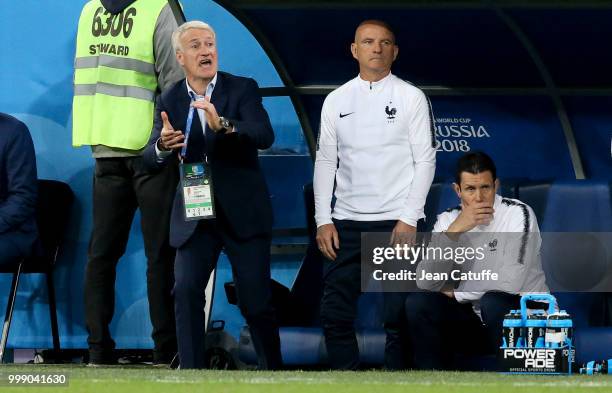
(197, 191)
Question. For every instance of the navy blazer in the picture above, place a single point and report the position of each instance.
(18, 184)
(239, 187)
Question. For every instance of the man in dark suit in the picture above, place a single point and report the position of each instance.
(224, 125)
(18, 189)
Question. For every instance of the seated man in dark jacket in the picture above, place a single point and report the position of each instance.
(17, 190)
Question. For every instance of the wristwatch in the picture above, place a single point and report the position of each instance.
(226, 124)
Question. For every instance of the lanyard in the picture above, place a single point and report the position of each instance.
(188, 128)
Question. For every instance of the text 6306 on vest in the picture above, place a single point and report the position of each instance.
(104, 22)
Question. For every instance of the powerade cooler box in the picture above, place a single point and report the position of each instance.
(537, 341)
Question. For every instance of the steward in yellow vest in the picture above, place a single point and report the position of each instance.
(124, 57)
(115, 79)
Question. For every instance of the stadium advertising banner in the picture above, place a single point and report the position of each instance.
(522, 134)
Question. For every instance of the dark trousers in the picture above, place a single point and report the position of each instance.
(440, 327)
(120, 186)
(341, 291)
(250, 261)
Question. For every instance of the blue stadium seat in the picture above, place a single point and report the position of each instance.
(285, 176)
(441, 196)
(577, 206)
(593, 343)
(570, 206)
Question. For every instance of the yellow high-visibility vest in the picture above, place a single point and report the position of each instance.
(114, 76)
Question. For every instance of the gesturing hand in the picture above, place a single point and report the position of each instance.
(212, 117)
(170, 138)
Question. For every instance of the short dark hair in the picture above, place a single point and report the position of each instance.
(377, 22)
(475, 163)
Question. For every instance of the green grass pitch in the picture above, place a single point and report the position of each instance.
(148, 379)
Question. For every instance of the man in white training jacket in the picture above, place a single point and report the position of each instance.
(377, 146)
(471, 292)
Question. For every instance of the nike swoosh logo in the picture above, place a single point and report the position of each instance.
(345, 114)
